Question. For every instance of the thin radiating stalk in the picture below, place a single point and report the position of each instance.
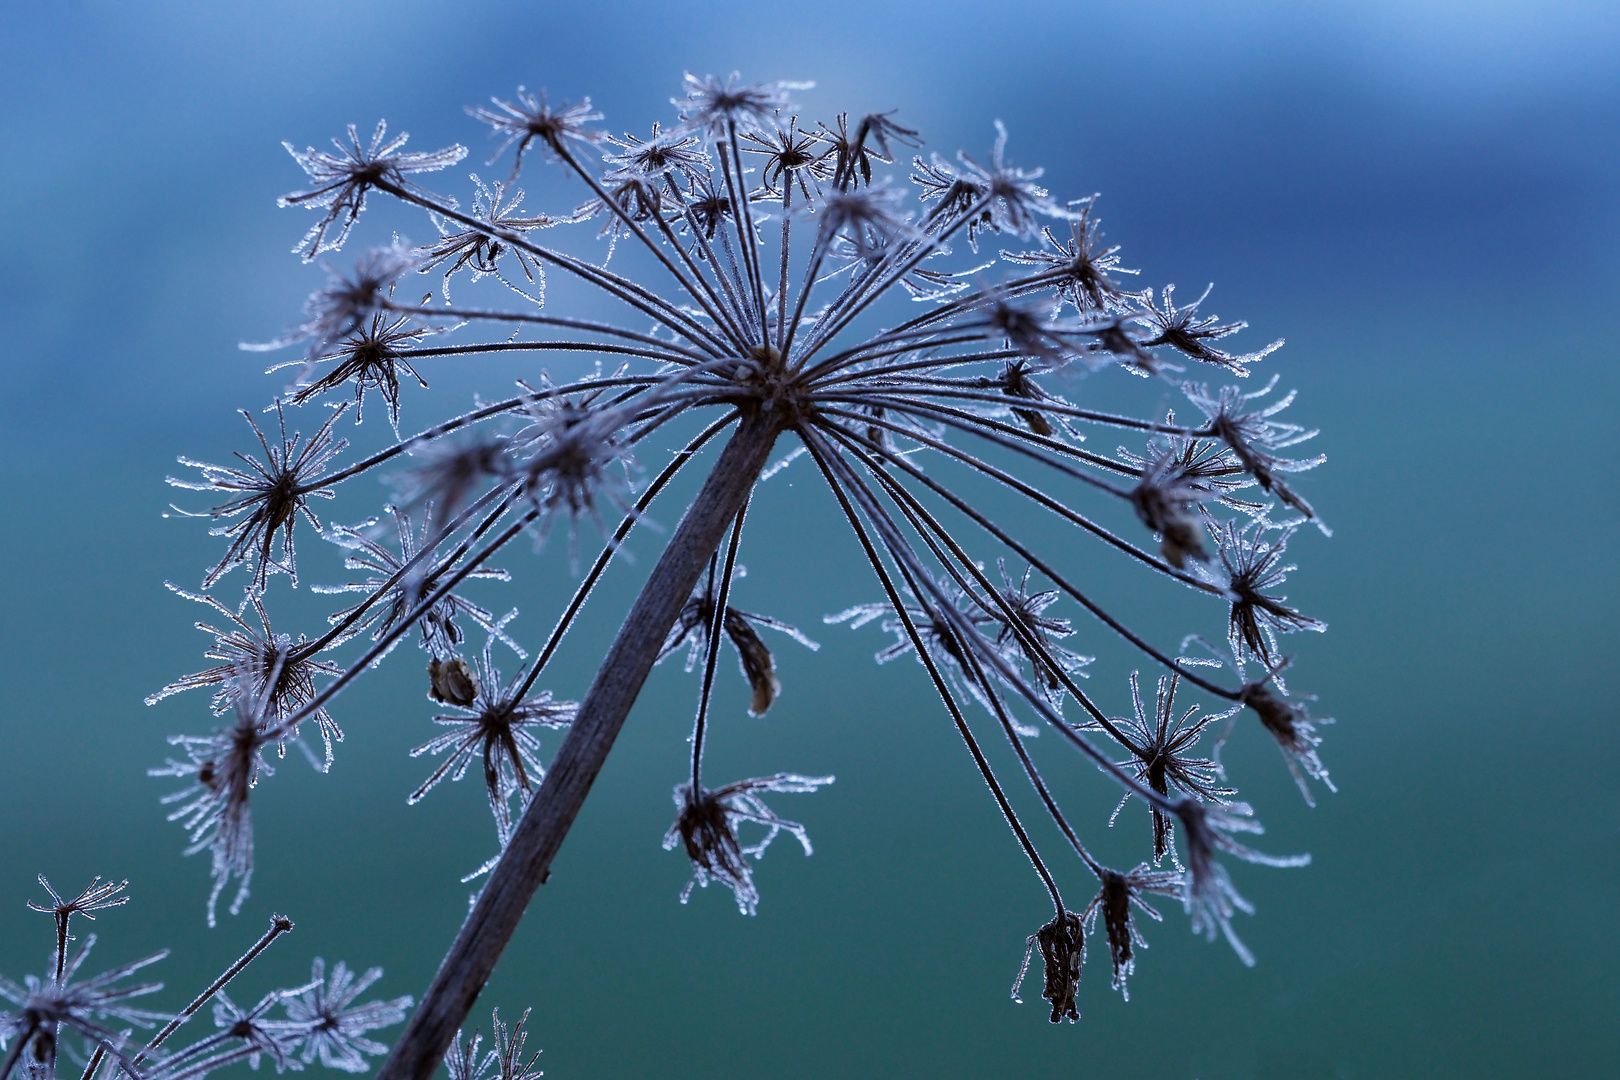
(1036, 495)
(526, 863)
(278, 925)
(719, 596)
(1060, 581)
(566, 620)
(645, 301)
(901, 552)
(936, 676)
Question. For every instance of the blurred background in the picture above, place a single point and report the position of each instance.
(1421, 197)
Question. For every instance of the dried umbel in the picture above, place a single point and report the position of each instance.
(497, 724)
(316, 1020)
(782, 296)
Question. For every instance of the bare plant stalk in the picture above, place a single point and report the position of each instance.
(526, 863)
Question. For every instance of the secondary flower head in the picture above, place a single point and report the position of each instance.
(1254, 566)
(663, 153)
(1078, 268)
(530, 118)
(1063, 950)
(789, 157)
(256, 664)
(1183, 330)
(46, 1005)
(1030, 635)
(254, 1034)
(223, 768)
(332, 1027)
(1161, 755)
(854, 153)
(692, 629)
(498, 232)
(1118, 895)
(706, 826)
(347, 301)
(1015, 201)
(371, 358)
(1254, 437)
(869, 219)
(714, 107)
(497, 727)
(1166, 501)
(342, 180)
(1295, 732)
(398, 584)
(265, 500)
(1209, 896)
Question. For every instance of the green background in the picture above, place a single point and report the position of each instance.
(1421, 198)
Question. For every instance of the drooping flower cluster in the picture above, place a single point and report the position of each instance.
(786, 291)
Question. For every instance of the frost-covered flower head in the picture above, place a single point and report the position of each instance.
(854, 153)
(342, 180)
(1295, 731)
(530, 118)
(224, 768)
(47, 1005)
(333, 1028)
(265, 500)
(1015, 202)
(480, 247)
(347, 301)
(497, 727)
(1118, 898)
(716, 108)
(1063, 951)
(1080, 265)
(257, 664)
(399, 584)
(706, 827)
(869, 219)
(1161, 746)
(1166, 501)
(1209, 896)
(1253, 561)
(663, 153)
(696, 622)
(767, 314)
(1254, 437)
(1182, 329)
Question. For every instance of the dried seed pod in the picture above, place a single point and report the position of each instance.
(451, 681)
(1063, 947)
(1295, 732)
(755, 658)
(1165, 502)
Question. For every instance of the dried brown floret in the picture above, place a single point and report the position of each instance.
(1063, 948)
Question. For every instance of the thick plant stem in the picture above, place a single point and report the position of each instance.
(527, 860)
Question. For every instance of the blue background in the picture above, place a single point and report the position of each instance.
(1422, 197)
